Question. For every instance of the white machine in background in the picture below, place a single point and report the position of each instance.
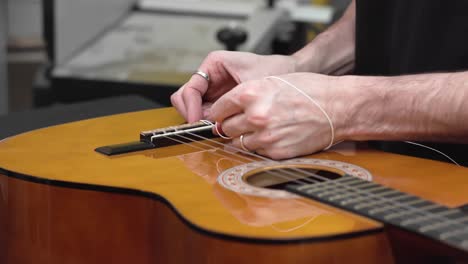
(161, 42)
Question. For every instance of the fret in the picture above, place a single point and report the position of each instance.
(353, 192)
(436, 210)
(305, 187)
(411, 203)
(377, 202)
(428, 228)
(389, 191)
(338, 189)
(462, 219)
(328, 193)
(442, 224)
(376, 188)
(319, 186)
(310, 188)
(396, 206)
(325, 185)
(341, 196)
(425, 217)
(364, 194)
(336, 194)
(436, 232)
(447, 235)
(439, 225)
(354, 200)
(347, 179)
(322, 190)
(407, 198)
(397, 196)
(351, 182)
(316, 187)
(362, 184)
(383, 209)
(365, 205)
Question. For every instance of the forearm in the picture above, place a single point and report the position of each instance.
(332, 51)
(426, 107)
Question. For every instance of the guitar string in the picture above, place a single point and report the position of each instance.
(239, 161)
(415, 210)
(209, 123)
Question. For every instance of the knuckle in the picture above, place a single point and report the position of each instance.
(248, 93)
(258, 119)
(191, 90)
(247, 96)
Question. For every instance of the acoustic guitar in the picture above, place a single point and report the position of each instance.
(73, 194)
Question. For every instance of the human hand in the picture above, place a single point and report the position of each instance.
(226, 70)
(279, 122)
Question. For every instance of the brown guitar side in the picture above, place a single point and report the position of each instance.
(53, 225)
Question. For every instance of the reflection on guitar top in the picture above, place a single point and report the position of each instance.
(250, 210)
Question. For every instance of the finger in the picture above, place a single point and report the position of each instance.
(178, 103)
(236, 125)
(227, 105)
(193, 105)
(248, 143)
(192, 95)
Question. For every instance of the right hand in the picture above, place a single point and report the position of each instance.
(226, 70)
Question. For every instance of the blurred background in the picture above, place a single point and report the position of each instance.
(71, 57)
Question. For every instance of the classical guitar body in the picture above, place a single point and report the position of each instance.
(201, 202)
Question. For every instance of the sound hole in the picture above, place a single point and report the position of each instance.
(278, 178)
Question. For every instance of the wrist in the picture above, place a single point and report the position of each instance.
(360, 107)
(323, 56)
(306, 60)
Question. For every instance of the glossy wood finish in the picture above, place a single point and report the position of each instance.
(208, 224)
(48, 225)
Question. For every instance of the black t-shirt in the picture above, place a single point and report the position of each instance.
(395, 37)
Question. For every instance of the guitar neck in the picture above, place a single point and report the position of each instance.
(389, 206)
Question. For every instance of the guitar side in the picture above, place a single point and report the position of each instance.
(50, 224)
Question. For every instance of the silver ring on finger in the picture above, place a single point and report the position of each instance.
(220, 131)
(241, 140)
(203, 74)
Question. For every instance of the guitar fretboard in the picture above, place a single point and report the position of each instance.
(387, 205)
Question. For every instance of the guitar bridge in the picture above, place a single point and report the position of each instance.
(174, 135)
(163, 137)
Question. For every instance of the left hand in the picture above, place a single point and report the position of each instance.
(279, 122)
